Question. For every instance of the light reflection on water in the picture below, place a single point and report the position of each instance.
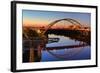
(81, 53)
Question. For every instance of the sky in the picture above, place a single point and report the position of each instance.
(41, 18)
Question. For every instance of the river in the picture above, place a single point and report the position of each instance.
(64, 54)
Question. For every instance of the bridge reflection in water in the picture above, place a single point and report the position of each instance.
(39, 46)
(33, 49)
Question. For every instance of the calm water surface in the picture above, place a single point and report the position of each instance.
(79, 53)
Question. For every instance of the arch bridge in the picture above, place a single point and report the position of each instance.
(72, 21)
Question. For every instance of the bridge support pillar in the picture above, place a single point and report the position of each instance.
(31, 55)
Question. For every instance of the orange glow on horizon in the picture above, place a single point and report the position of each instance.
(43, 23)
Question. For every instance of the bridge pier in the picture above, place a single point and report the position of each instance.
(32, 50)
(31, 55)
(35, 53)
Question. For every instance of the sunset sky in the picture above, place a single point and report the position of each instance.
(43, 18)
